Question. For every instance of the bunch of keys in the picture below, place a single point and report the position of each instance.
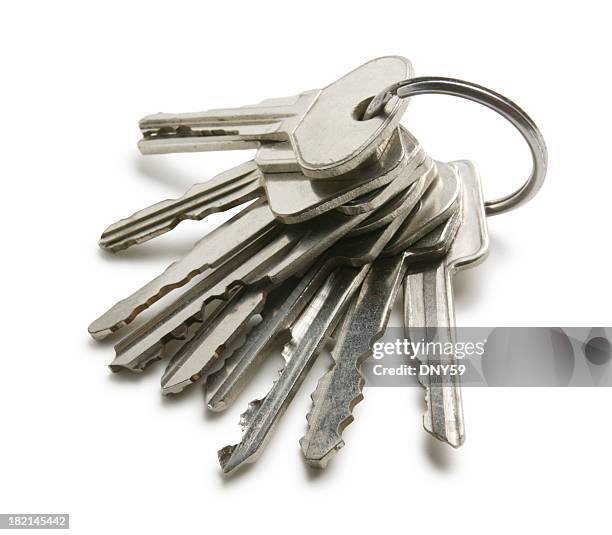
(341, 207)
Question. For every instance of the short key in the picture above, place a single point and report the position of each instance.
(429, 311)
(324, 126)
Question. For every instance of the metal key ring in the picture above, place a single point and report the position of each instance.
(498, 103)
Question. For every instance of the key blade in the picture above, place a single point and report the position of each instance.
(340, 389)
(309, 335)
(196, 358)
(208, 253)
(430, 315)
(226, 190)
(223, 129)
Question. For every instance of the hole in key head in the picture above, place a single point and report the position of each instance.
(360, 109)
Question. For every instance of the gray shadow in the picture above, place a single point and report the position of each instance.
(438, 453)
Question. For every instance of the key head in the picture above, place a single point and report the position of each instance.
(331, 139)
(471, 243)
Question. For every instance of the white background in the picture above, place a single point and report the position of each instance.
(77, 76)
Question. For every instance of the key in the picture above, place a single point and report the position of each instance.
(207, 254)
(293, 198)
(231, 188)
(310, 333)
(429, 313)
(340, 389)
(324, 127)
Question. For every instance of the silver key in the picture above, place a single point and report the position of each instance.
(310, 333)
(340, 389)
(226, 190)
(324, 127)
(207, 254)
(429, 313)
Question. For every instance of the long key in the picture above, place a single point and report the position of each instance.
(340, 389)
(226, 190)
(429, 311)
(324, 127)
(292, 197)
(310, 333)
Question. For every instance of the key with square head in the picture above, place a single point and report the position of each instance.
(324, 127)
(340, 389)
(310, 333)
(429, 311)
(439, 204)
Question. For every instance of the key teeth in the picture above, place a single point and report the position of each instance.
(456, 441)
(247, 416)
(315, 453)
(224, 455)
(219, 405)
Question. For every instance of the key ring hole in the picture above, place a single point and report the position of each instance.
(360, 109)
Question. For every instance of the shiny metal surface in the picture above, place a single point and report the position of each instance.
(326, 136)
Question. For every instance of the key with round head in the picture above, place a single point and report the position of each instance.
(429, 311)
(293, 198)
(323, 127)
